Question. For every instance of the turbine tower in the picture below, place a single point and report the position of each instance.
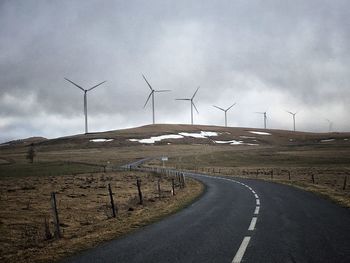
(293, 114)
(330, 123)
(192, 104)
(152, 94)
(225, 111)
(265, 117)
(85, 99)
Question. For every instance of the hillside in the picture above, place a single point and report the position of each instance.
(207, 145)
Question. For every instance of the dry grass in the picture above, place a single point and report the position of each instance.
(83, 199)
(84, 211)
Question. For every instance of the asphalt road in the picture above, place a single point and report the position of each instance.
(290, 225)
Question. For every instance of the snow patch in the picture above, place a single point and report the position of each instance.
(346, 139)
(234, 142)
(101, 140)
(157, 138)
(328, 140)
(202, 134)
(260, 133)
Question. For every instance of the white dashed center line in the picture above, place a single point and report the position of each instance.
(240, 253)
(252, 224)
(256, 212)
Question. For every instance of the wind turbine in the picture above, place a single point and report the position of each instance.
(293, 114)
(265, 117)
(225, 111)
(330, 125)
(192, 104)
(152, 94)
(85, 99)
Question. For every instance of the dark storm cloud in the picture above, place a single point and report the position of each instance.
(263, 54)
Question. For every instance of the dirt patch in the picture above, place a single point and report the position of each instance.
(84, 211)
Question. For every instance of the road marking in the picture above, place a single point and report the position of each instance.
(240, 253)
(242, 249)
(252, 224)
(256, 210)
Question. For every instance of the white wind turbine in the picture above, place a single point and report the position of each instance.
(225, 111)
(85, 99)
(293, 114)
(192, 104)
(330, 123)
(265, 117)
(152, 94)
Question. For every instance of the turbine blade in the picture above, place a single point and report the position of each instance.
(149, 85)
(75, 84)
(218, 108)
(97, 85)
(290, 112)
(231, 106)
(195, 93)
(162, 90)
(182, 99)
(259, 112)
(194, 107)
(149, 96)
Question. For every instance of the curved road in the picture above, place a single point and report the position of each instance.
(238, 220)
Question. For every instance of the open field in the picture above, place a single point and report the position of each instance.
(74, 167)
(84, 211)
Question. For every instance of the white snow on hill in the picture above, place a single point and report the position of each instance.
(202, 134)
(101, 140)
(260, 133)
(157, 138)
(328, 140)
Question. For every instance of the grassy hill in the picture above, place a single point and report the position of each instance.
(74, 166)
(223, 147)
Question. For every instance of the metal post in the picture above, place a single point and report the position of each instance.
(85, 111)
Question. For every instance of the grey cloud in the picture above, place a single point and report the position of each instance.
(250, 51)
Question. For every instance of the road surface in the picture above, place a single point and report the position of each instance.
(238, 220)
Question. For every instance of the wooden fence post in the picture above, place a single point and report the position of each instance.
(55, 215)
(288, 175)
(173, 185)
(138, 182)
(313, 178)
(112, 201)
(344, 185)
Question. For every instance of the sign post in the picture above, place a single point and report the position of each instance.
(164, 159)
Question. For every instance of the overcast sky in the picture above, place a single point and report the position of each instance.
(265, 55)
